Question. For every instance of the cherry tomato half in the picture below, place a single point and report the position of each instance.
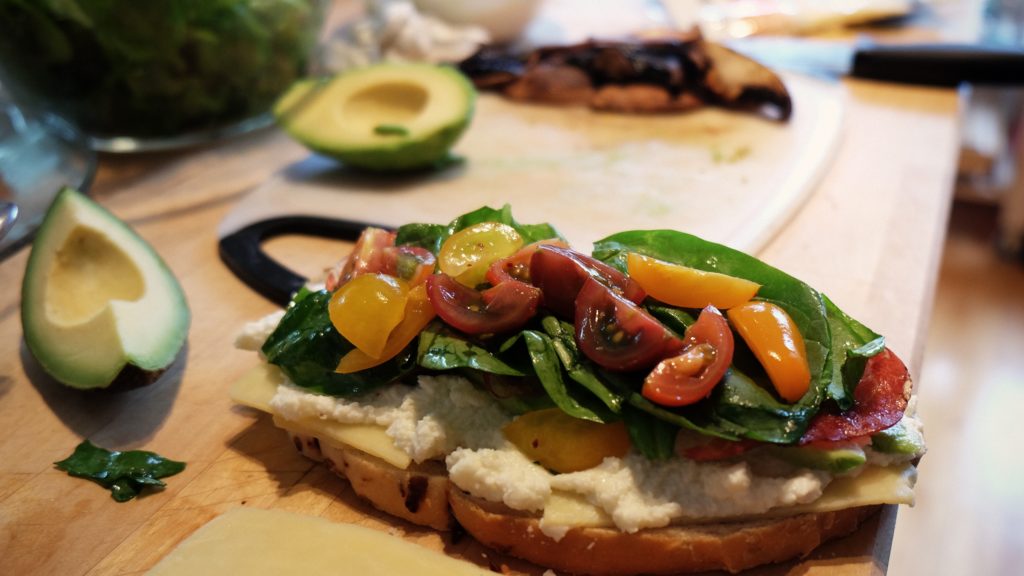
(618, 334)
(560, 273)
(418, 313)
(467, 254)
(410, 263)
(367, 308)
(517, 266)
(690, 376)
(367, 257)
(504, 307)
(778, 345)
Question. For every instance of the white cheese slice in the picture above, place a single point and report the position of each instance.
(272, 542)
(257, 387)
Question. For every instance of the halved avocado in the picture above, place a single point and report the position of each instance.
(97, 300)
(382, 117)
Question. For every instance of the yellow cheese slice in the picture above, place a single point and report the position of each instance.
(272, 542)
(369, 438)
(874, 485)
(257, 387)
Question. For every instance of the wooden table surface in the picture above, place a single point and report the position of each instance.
(870, 236)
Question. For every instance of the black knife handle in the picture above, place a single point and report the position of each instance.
(243, 253)
(940, 64)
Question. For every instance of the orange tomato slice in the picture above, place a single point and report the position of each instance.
(367, 308)
(467, 254)
(776, 341)
(418, 313)
(688, 287)
(562, 443)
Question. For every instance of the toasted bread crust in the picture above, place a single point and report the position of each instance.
(598, 551)
(670, 550)
(418, 494)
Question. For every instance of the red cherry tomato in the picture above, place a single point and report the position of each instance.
(691, 375)
(560, 273)
(517, 266)
(504, 307)
(616, 333)
(410, 263)
(367, 257)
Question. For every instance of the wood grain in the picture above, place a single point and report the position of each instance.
(870, 236)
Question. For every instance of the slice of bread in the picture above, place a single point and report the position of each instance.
(423, 495)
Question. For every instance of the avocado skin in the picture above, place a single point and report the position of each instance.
(405, 154)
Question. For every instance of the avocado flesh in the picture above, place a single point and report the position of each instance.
(383, 117)
(836, 461)
(96, 298)
(898, 439)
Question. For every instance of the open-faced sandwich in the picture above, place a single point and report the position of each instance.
(663, 405)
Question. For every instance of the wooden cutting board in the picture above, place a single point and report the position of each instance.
(728, 177)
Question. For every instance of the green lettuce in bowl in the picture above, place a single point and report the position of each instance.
(154, 69)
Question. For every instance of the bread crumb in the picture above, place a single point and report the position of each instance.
(591, 545)
(549, 573)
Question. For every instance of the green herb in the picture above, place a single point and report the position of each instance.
(570, 399)
(579, 369)
(652, 437)
(307, 348)
(441, 348)
(390, 130)
(125, 474)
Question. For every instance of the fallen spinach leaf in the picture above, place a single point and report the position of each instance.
(125, 474)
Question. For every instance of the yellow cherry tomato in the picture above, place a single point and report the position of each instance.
(688, 287)
(418, 313)
(562, 443)
(777, 343)
(467, 254)
(367, 308)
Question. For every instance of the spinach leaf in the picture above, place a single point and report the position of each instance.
(579, 369)
(852, 344)
(307, 348)
(125, 474)
(652, 437)
(691, 418)
(441, 348)
(429, 236)
(432, 236)
(548, 368)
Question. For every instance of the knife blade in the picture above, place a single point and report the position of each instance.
(946, 65)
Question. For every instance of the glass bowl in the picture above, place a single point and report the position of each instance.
(155, 74)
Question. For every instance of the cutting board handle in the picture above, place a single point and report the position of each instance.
(242, 251)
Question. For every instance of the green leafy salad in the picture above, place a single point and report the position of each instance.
(655, 332)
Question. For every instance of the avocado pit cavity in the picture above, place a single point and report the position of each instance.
(88, 273)
(393, 104)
